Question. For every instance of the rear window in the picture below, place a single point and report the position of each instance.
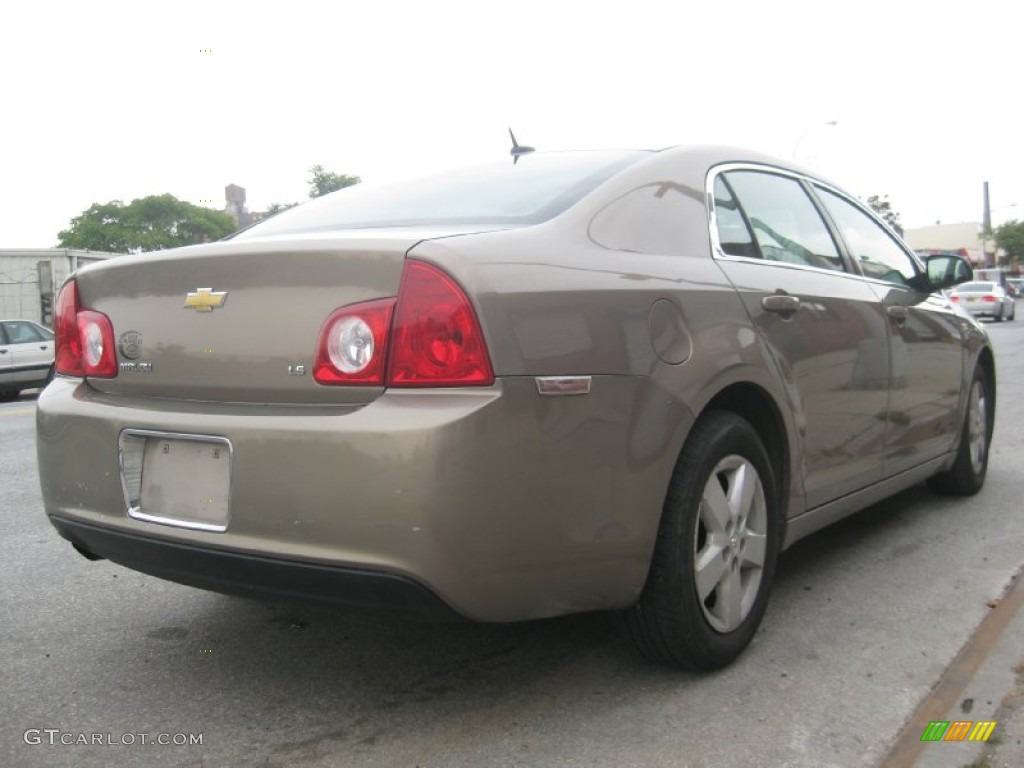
(975, 287)
(533, 190)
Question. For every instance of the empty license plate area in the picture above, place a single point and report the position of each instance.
(174, 479)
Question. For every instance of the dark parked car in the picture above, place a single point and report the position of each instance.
(26, 357)
(584, 381)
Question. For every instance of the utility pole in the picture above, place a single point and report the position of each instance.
(986, 225)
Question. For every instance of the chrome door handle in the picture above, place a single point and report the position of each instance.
(781, 302)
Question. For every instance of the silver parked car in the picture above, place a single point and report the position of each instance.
(985, 299)
(26, 357)
(584, 381)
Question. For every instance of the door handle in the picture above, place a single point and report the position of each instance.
(782, 303)
(897, 313)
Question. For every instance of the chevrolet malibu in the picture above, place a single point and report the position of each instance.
(583, 381)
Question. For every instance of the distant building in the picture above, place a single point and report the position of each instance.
(964, 238)
(234, 207)
(30, 279)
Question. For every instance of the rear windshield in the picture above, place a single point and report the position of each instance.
(975, 287)
(533, 190)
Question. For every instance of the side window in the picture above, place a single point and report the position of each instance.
(785, 222)
(20, 333)
(733, 234)
(879, 255)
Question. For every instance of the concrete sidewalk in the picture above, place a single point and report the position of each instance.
(985, 682)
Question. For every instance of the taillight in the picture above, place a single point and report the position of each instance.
(954, 298)
(989, 298)
(428, 336)
(67, 342)
(352, 347)
(84, 338)
(437, 341)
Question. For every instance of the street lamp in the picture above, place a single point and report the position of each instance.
(796, 147)
(1003, 207)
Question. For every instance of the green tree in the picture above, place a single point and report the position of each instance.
(146, 224)
(882, 207)
(1010, 237)
(275, 208)
(323, 181)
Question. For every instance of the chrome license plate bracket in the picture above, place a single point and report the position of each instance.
(181, 480)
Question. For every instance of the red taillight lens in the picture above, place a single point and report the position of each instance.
(989, 298)
(97, 334)
(428, 337)
(68, 344)
(84, 338)
(954, 298)
(436, 338)
(352, 347)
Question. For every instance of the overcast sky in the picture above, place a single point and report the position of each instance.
(112, 101)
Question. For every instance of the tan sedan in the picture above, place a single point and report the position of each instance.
(582, 381)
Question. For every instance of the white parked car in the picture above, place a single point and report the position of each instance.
(984, 299)
(26, 357)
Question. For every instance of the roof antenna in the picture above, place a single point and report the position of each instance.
(518, 150)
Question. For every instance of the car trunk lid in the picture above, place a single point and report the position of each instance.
(238, 321)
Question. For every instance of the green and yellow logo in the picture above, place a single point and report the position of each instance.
(958, 730)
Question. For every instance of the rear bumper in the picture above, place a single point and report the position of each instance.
(989, 310)
(503, 504)
(255, 576)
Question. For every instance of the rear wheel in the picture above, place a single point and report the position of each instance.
(716, 550)
(967, 474)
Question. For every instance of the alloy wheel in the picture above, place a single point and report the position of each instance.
(730, 543)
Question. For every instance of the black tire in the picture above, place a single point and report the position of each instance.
(967, 475)
(671, 624)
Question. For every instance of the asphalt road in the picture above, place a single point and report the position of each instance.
(864, 619)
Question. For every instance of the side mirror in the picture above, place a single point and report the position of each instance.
(946, 270)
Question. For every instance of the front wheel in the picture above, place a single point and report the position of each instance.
(967, 474)
(715, 554)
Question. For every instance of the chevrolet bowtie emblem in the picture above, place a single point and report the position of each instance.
(205, 299)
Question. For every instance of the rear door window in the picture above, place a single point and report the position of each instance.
(780, 217)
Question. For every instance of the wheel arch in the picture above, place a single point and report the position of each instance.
(755, 405)
(988, 362)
